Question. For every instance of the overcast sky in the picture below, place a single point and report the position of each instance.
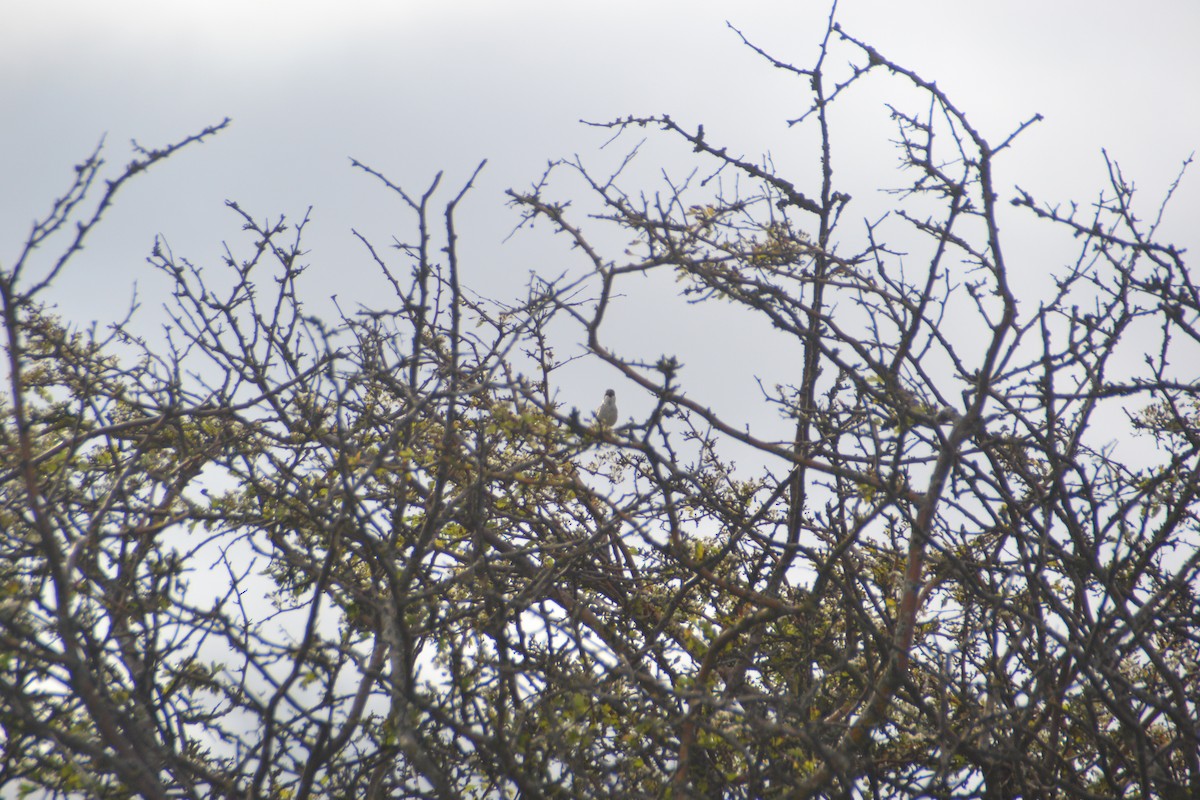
(415, 87)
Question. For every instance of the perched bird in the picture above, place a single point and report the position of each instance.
(606, 414)
(946, 415)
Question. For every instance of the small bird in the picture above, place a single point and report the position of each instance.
(606, 414)
(946, 415)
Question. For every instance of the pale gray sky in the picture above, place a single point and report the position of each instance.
(414, 87)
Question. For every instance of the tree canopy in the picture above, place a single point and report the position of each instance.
(271, 555)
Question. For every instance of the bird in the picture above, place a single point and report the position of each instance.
(946, 415)
(606, 414)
